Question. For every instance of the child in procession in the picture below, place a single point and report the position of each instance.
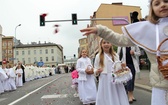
(108, 92)
(11, 77)
(19, 72)
(86, 82)
(74, 75)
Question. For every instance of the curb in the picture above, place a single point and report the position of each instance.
(144, 87)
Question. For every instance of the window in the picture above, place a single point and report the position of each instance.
(52, 58)
(41, 59)
(35, 59)
(23, 53)
(52, 51)
(40, 51)
(34, 51)
(46, 51)
(10, 43)
(10, 51)
(4, 44)
(46, 58)
(23, 60)
(28, 52)
(17, 52)
(29, 60)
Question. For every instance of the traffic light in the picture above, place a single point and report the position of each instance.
(64, 57)
(42, 20)
(74, 19)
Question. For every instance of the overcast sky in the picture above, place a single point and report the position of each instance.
(26, 13)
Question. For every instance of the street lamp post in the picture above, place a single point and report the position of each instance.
(15, 59)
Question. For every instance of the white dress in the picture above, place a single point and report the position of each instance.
(108, 92)
(11, 78)
(6, 81)
(86, 83)
(3, 76)
(19, 81)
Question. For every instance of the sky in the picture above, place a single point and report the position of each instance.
(26, 13)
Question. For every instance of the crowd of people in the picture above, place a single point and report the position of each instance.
(13, 77)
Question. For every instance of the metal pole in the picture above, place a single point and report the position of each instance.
(93, 19)
(15, 44)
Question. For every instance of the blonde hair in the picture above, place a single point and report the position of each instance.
(101, 52)
(152, 16)
(80, 55)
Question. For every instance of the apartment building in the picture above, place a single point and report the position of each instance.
(48, 53)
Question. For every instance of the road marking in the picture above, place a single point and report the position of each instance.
(14, 102)
(1, 99)
(54, 96)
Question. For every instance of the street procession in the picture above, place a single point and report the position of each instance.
(14, 77)
(84, 52)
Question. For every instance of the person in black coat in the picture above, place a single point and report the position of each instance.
(134, 17)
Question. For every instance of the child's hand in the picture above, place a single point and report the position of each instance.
(89, 71)
(99, 71)
(131, 52)
(123, 65)
(89, 30)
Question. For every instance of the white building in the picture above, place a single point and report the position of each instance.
(48, 53)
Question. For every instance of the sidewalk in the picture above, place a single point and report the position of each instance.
(142, 80)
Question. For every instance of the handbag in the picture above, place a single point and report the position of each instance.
(162, 60)
(121, 73)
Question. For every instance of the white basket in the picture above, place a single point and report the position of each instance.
(121, 74)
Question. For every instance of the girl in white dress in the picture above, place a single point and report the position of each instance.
(19, 72)
(11, 77)
(86, 82)
(108, 92)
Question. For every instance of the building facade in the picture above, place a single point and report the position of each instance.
(48, 53)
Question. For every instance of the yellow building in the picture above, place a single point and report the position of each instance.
(115, 11)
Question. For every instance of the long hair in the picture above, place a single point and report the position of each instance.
(152, 16)
(101, 52)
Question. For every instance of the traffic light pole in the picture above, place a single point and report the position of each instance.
(94, 19)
